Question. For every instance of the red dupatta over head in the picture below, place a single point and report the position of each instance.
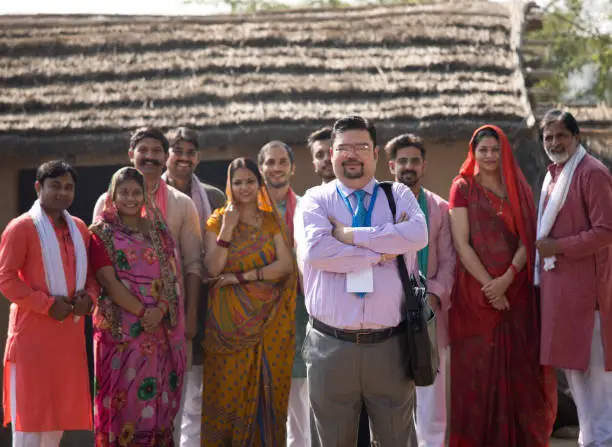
(519, 192)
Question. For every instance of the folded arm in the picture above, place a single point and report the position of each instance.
(277, 269)
(396, 238)
(322, 250)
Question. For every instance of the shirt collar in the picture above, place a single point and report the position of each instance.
(369, 188)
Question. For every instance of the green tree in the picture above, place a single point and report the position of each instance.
(578, 41)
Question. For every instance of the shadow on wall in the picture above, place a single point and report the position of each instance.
(531, 158)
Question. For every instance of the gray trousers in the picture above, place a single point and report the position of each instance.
(342, 376)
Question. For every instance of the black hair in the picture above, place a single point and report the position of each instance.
(246, 163)
(261, 156)
(482, 134)
(54, 169)
(148, 132)
(403, 141)
(175, 136)
(322, 134)
(556, 115)
(353, 122)
(124, 174)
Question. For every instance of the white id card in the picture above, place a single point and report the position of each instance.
(361, 281)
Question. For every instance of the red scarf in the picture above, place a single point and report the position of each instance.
(160, 199)
(517, 188)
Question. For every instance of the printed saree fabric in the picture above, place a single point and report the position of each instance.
(138, 374)
(249, 341)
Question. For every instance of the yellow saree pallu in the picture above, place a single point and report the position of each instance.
(248, 345)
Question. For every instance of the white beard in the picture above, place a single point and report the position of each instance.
(557, 158)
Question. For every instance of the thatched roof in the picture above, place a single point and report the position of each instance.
(433, 68)
(596, 128)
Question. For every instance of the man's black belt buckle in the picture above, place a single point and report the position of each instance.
(361, 334)
(357, 337)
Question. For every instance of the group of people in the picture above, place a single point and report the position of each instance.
(261, 318)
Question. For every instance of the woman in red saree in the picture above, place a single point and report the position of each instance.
(500, 395)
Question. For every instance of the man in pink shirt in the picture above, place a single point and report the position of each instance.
(354, 295)
(43, 272)
(574, 271)
(406, 155)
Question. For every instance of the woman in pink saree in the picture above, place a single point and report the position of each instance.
(139, 342)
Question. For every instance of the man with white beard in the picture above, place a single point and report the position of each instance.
(574, 272)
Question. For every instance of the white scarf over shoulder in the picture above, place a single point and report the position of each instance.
(548, 215)
(200, 199)
(52, 258)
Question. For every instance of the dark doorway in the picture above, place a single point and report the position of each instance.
(93, 181)
(213, 172)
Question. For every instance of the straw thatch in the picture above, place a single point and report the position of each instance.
(442, 67)
(595, 123)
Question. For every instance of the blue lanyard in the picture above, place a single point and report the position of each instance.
(368, 220)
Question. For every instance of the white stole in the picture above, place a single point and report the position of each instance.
(547, 216)
(52, 259)
(200, 200)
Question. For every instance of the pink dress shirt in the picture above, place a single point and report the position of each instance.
(327, 260)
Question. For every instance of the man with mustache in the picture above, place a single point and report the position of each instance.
(574, 272)
(354, 294)
(406, 154)
(148, 153)
(277, 164)
(181, 164)
(44, 274)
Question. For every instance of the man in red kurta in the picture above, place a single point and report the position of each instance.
(43, 272)
(575, 274)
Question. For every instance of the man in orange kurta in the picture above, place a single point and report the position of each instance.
(46, 381)
(575, 274)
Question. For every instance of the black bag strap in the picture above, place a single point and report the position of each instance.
(411, 302)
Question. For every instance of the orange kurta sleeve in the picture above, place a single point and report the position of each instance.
(15, 246)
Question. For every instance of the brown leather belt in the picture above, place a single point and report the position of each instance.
(360, 337)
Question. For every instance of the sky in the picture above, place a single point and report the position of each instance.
(149, 7)
(128, 7)
(182, 7)
(175, 7)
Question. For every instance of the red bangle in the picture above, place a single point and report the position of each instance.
(260, 275)
(514, 269)
(163, 306)
(142, 312)
(240, 277)
(222, 243)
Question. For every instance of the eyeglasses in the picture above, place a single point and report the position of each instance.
(362, 148)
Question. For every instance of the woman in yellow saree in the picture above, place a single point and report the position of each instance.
(249, 335)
